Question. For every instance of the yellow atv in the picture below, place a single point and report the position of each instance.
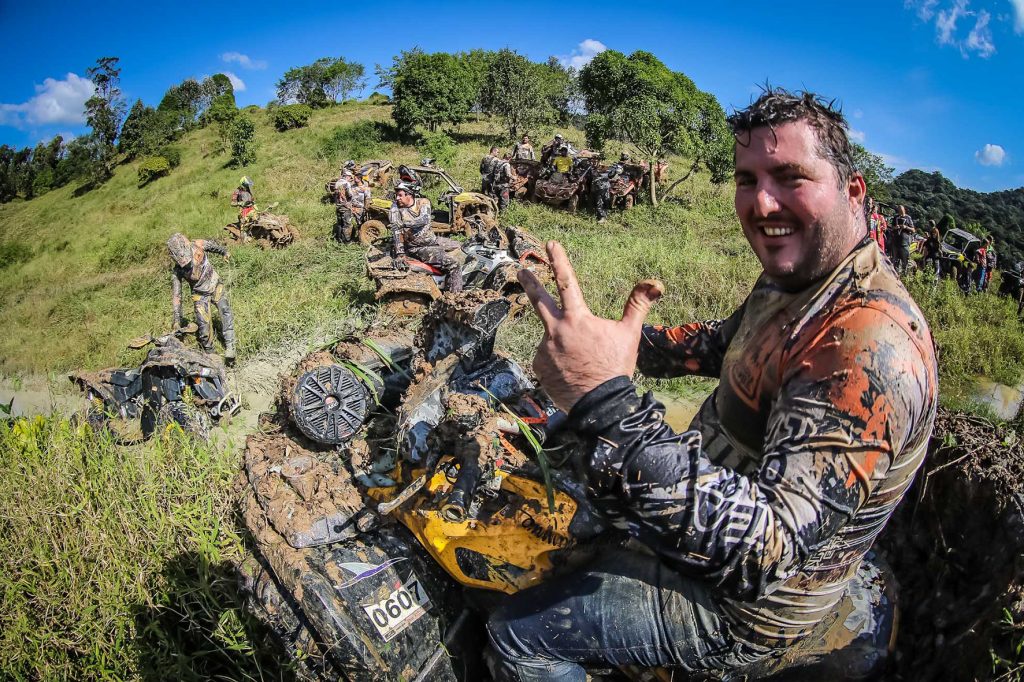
(410, 477)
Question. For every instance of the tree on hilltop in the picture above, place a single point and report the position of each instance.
(516, 90)
(428, 89)
(326, 81)
(641, 101)
(103, 112)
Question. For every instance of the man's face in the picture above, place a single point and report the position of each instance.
(798, 220)
(404, 199)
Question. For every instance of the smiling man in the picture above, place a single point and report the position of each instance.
(757, 518)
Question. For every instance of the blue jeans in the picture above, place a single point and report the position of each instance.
(625, 609)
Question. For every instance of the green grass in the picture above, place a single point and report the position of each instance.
(115, 562)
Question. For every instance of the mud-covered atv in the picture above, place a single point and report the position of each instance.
(457, 213)
(491, 259)
(565, 190)
(174, 384)
(405, 485)
(268, 230)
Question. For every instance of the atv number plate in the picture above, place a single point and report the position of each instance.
(398, 610)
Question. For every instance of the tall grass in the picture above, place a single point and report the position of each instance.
(115, 562)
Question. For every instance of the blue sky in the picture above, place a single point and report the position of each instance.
(930, 84)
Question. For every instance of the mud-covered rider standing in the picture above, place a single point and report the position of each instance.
(500, 181)
(523, 150)
(409, 221)
(601, 191)
(192, 265)
(754, 520)
(243, 198)
(487, 170)
(350, 197)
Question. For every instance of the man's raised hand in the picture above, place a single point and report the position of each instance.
(580, 351)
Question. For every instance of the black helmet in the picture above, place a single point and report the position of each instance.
(349, 165)
(623, 157)
(408, 187)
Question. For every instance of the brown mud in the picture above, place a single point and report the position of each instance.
(956, 545)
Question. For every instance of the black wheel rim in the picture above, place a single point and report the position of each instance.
(329, 404)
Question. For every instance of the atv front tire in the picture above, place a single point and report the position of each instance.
(329, 404)
(371, 231)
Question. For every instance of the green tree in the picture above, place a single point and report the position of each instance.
(877, 175)
(475, 65)
(428, 89)
(181, 105)
(103, 112)
(243, 141)
(343, 79)
(562, 90)
(640, 100)
(515, 90)
(321, 83)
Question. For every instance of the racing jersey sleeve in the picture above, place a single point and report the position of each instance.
(690, 349)
(395, 224)
(849, 404)
(176, 297)
(211, 247)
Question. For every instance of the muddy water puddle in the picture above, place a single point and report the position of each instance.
(38, 394)
(679, 410)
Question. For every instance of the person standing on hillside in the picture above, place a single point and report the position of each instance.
(991, 260)
(500, 181)
(756, 519)
(933, 252)
(409, 220)
(191, 264)
(344, 225)
(877, 226)
(548, 151)
(523, 150)
(243, 198)
(487, 169)
(601, 191)
(903, 226)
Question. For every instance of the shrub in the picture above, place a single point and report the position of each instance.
(439, 147)
(291, 116)
(14, 252)
(378, 99)
(362, 140)
(242, 135)
(152, 168)
(172, 154)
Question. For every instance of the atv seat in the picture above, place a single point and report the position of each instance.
(853, 643)
(420, 266)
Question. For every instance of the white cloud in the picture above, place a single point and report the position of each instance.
(56, 101)
(584, 52)
(980, 37)
(990, 155)
(945, 25)
(951, 20)
(1018, 15)
(243, 60)
(858, 113)
(857, 136)
(237, 83)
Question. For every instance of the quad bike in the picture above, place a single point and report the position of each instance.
(267, 229)
(490, 259)
(634, 177)
(423, 481)
(375, 173)
(453, 215)
(174, 384)
(565, 190)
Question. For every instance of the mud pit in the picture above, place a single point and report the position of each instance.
(956, 544)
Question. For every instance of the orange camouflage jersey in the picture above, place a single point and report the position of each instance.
(793, 466)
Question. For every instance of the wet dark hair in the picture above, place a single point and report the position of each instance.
(777, 106)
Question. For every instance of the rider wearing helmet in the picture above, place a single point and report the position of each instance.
(244, 199)
(344, 205)
(601, 191)
(487, 170)
(190, 263)
(551, 148)
(409, 220)
(501, 180)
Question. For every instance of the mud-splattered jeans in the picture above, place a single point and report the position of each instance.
(625, 609)
(204, 318)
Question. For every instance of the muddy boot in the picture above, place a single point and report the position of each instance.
(229, 354)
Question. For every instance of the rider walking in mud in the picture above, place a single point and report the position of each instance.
(487, 170)
(756, 519)
(500, 181)
(191, 264)
(601, 192)
(409, 220)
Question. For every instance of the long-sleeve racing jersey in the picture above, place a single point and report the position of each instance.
(793, 465)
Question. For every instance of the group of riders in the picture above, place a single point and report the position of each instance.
(898, 238)
(559, 160)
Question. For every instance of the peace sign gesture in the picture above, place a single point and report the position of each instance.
(580, 351)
